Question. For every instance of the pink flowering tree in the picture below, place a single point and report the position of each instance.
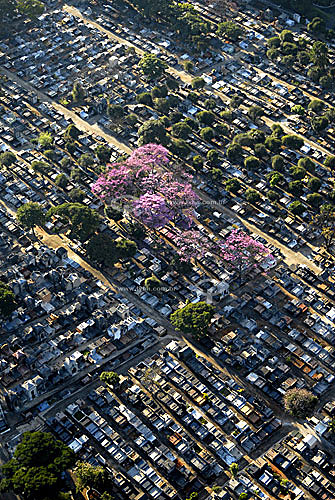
(241, 252)
(115, 184)
(191, 245)
(148, 157)
(152, 210)
(143, 182)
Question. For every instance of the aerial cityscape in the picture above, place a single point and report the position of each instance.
(167, 250)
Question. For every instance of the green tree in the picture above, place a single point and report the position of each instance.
(233, 185)
(180, 148)
(198, 162)
(329, 161)
(193, 319)
(272, 195)
(314, 199)
(319, 54)
(103, 153)
(277, 163)
(116, 114)
(289, 48)
(198, 83)
(188, 66)
(162, 105)
(159, 91)
(314, 74)
(230, 30)
(77, 195)
(326, 81)
(72, 132)
(36, 469)
(113, 213)
(101, 248)
(273, 42)
(296, 207)
(86, 160)
(206, 117)
(234, 469)
(286, 36)
(83, 220)
(152, 131)
(255, 112)
(297, 172)
(314, 184)
(7, 159)
(181, 130)
(40, 167)
(288, 61)
(30, 215)
(125, 248)
(45, 140)
(304, 58)
(317, 25)
(212, 157)
(243, 139)
(316, 105)
(273, 144)
(151, 66)
(298, 110)
(252, 196)
(296, 188)
(78, 93)
(325, 221)
(30, 8)
(227, 116)
(273, 54)
(275, 178)
(299, 402)
(277, 130)
(153, 285)
(62, 181)
(307, 164)
(8, 302)
(260, 150)
(144, 98)
(292, 141)
(110, 378)
(234, 152)
(319, 123)
(207, 133)
(90, 476)
(251, 163)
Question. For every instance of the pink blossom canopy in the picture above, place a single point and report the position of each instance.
(152, 210)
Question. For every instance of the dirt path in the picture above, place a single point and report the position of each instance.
(185, 77)
(68, 114)
(290, 257)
